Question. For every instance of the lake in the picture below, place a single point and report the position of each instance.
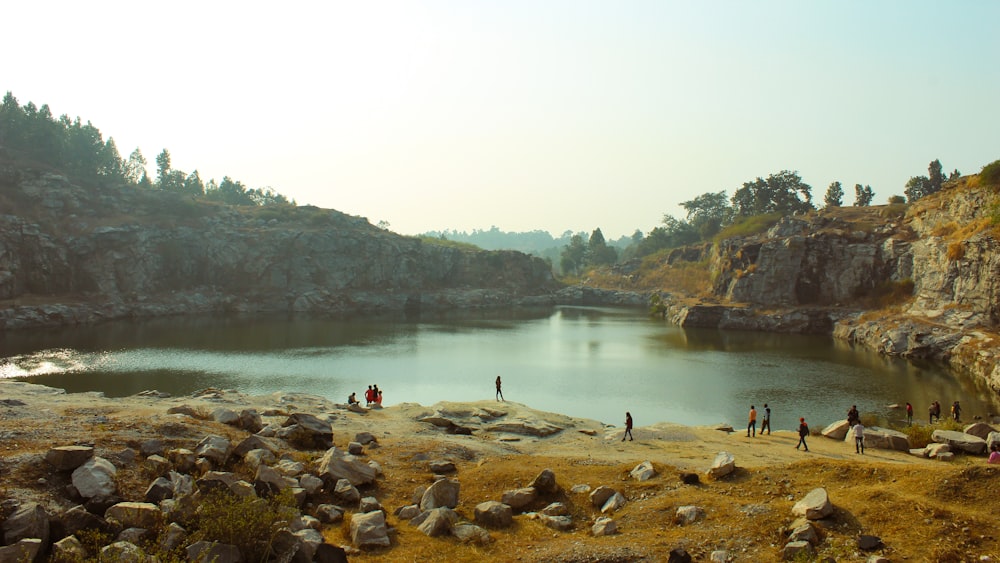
(582, 361)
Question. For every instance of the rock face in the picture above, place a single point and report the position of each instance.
(204, 258)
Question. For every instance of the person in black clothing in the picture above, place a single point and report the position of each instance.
(803, 432)
(766, 423)
(628, 426)
(499, 392)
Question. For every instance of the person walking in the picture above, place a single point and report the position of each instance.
(765, 424)
(499, 392)
(956, 410)
(934, 412)
(628, 426)
(803, 432)
(909, 414)
(859, 438)
(752, 423)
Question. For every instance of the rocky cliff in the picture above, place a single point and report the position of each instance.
(921, 281)
(75, 254)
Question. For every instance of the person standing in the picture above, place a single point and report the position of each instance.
(852, 415)
(934, 412)
(859, 438)
(803, 432)
(628, 426)
(909, 414)
(765, 424)
(956, 410)
(499, 392)
(369, 397)
(752, 422)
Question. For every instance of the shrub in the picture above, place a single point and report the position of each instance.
(896, 199)
(956, 251)
(749, 226)
(990, 174)
(249, 523)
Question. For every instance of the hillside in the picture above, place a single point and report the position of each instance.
(919, 281)
(70, 254)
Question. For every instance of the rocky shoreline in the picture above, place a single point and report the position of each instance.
(86, 476)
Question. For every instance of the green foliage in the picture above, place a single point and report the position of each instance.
(31, 134)
(896, 200)
(749, 226)
(598, 252)
(707, 213)
(440, 241)
(249, 523)
(779, 193)
(990, 175)
(863, 195)
(657, 307)
(571, 261)
(834, 195)
(920, 186)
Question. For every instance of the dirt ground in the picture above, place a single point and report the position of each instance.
(923, 510)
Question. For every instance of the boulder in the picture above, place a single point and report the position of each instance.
(68, 458)
(837, 430)
(251, 421)
(616, 501)
(643, 472)
(686, 515)
(364, 438)
(255, 442)
(493, 514)
(797, 550)
(337, 464)
(95, 478)
(519, 498)
(559, 523)
(804, 532)
(369, 530)
(29, 521)
(556, 509)
(27, 549)
(329, 513)
(979, 429)
(723, 464)
(223, 415)
(604, 526)
(355, 448)
(307, 431)
(545, 482)
(470, 533)
(443, 493)
(66, 549)
(407, 512)
(883, 439)
(960, 441)
(369, 504)
(135, 514)
(128, 552)
(310, 483)
(935, 450)
(441, 466)
(215, 449)
(436, 522)
(600, 495)
(158, 490)
(814, 505)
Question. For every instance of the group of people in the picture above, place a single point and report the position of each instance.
(934, 412)
(373, 396)
(765, 424)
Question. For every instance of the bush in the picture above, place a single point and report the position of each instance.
(990, 174)
(896, 199)
(956, 251)
(249, 523)
(749, 226)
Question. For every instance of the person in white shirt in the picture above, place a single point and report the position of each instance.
(859, 438)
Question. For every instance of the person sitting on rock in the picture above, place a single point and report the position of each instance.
(994, 458)
(353, 399)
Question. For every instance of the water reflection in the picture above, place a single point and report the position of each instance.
(584, 361)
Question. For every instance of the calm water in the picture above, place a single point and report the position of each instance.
(587, 362)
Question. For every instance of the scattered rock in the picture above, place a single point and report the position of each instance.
(493, 514)
(814, 505)
(369, 530)
(686, 515)
(67, 458)
(643, 472)
(604, 526)
(723, 465)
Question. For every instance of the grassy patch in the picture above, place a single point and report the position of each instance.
(437, 241)
(749, 226)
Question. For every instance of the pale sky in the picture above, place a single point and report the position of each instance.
(551, 115)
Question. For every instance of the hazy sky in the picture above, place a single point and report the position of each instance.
(552, 115)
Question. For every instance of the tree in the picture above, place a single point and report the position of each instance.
(863, 195)
(571, 259)
(193, 185)
(955, 175)
(163, 170)
(920, 186)
(779, 193)
(598, 251)
(135, 167)
(834, 195)
(707, 213)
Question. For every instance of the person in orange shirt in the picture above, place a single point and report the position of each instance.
(752, 425)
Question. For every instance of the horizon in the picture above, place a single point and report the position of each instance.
(562, 116)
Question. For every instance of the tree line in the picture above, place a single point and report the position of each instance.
(32, 134)
(782, 193)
